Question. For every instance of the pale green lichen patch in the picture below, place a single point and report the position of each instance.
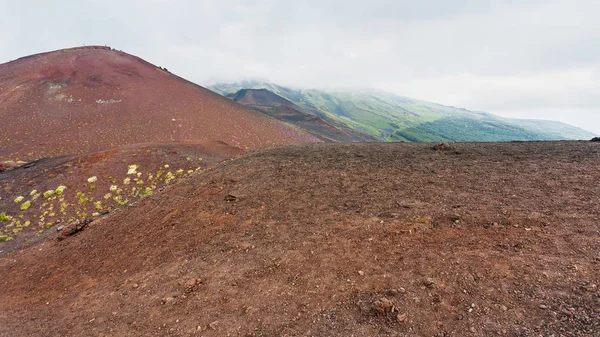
(132, 169)
(60, 205)
(60, 189)
(25, 205)
(4, 217)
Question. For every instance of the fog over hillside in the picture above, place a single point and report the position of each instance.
(522, 58)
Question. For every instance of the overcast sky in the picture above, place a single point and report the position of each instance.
(516, 58)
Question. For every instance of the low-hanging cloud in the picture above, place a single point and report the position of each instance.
(513, 57)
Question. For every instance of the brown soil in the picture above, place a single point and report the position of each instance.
(92, 99)
(333, 240)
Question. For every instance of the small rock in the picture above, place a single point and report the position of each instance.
(441, 147)
(168, 300)
(190, 284)
(590, 287)
(503, 308)
(395, 292)
(401, 318)
(543, 306)
(135, 286)
(361, 273)
(59, 228)
(383, 305)
(473, 330)
(213, 325)
(429, 282)
(231, 198)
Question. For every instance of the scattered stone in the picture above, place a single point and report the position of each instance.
(214, 325)
(503, 308)
(231, 198)
(168, 300)
(361, 273)
(383, 306)
(441, 147)
(9, 165)
(590, 287)
(395, 292)
(135, 286)
(401, 318)
(59, 228)
(73, 228)
(190, 285)
(429, 282)
(473, 330)
(543, 306)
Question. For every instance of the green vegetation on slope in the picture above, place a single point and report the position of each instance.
(391, 117)
(465, 129)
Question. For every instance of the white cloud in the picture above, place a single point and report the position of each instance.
(525, 57)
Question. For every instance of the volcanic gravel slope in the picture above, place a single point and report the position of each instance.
(334, 240)
(121, 176)
(96, 98)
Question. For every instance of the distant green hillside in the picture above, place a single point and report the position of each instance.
(396, 118)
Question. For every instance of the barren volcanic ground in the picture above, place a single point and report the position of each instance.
(91, 99)
(40, 197)
(333, 240)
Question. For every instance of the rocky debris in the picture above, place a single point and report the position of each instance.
(429, 282)
(214, 325)
(442, 147)
(595, 139)
(231, 198)
(377, 305)
(401, 318)
(382, 306)
(73, 228)
(169, 300)
(395, 292)
(9, 165)
(589, 287)
(191, 284)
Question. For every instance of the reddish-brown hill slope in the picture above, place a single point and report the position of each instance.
(333, 240)
(95, 98)
(38, 198)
